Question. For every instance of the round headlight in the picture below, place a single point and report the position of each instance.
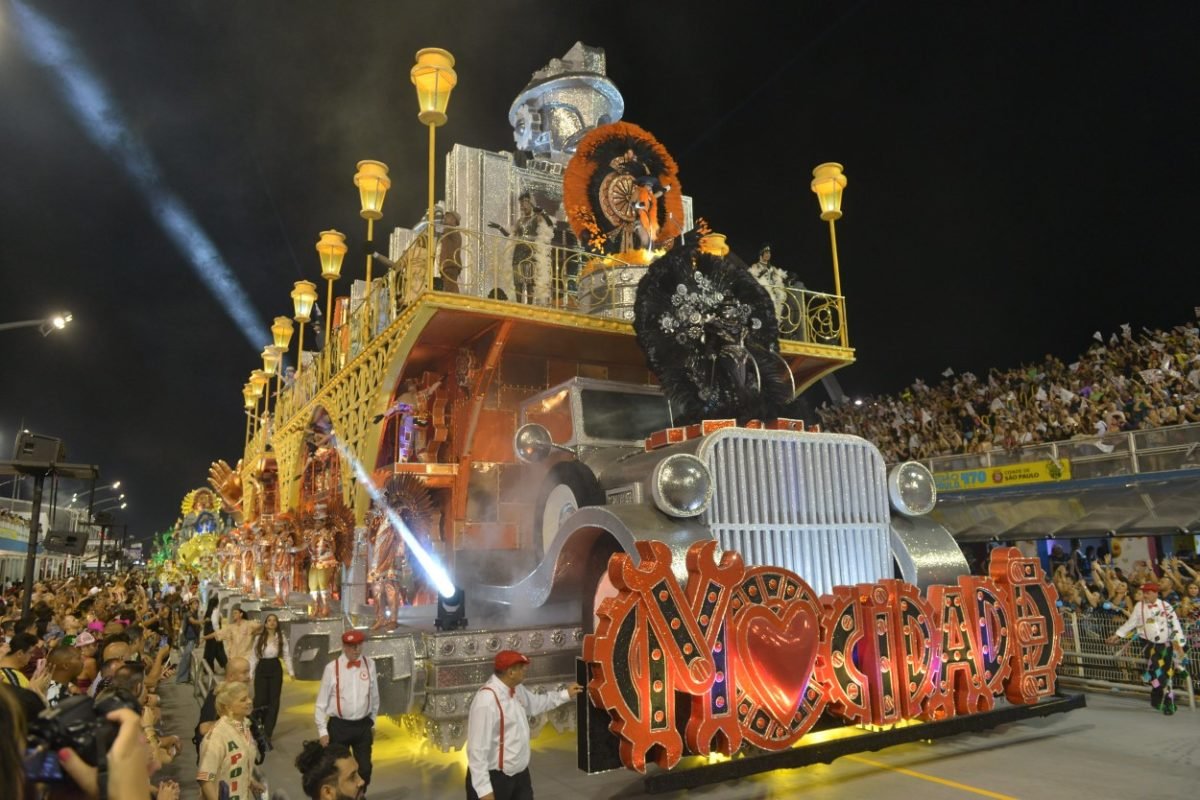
(912, 489)
(681, 485)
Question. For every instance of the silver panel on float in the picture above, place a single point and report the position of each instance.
(813, 503)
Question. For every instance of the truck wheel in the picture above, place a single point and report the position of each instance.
(567, 487)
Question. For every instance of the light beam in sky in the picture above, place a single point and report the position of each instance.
(104, 124)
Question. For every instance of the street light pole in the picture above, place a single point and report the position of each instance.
(435, 78)
(47, 326)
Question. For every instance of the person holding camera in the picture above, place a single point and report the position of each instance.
(228, 752)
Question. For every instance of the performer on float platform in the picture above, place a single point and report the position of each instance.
(348, 702)
(498, 730)
(1157, 623)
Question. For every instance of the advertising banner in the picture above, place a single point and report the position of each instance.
(1008, 475)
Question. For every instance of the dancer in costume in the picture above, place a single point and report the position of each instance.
(1155, 621)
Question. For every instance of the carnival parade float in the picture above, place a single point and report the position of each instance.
(559, 422)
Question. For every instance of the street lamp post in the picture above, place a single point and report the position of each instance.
(304, 294)
(259, 380)
(281, 332)
(828, 183)
(47, 326)
(249, 400)
(332, 249)
(271, 359)
(373, 182)
(435, 78)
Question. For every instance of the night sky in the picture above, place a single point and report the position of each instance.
(1015, 182)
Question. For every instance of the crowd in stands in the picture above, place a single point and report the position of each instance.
(1090, 585)
(1126, 382)
(87, 645)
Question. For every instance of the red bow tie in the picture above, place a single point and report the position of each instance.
(352, 664)
(512, 691)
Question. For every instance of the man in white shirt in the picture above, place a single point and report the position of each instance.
(1156, 622)
(348, 702)
(498, 730)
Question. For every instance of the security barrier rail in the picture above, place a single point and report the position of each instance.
(1089, 661)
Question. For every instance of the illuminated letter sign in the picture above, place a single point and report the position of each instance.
(757, 657)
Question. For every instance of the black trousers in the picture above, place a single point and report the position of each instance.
(358, 735)
(505, 787)
(268, 685)
(214, 653)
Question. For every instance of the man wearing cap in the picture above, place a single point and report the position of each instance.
(498, 730)
(348, 702)
(1158, 625)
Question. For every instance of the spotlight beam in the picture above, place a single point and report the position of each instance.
(104, 124)
(433, 568)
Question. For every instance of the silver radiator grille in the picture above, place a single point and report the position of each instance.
(813, 503)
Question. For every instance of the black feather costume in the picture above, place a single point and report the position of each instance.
(710, 334)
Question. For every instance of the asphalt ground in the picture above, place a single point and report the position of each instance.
(1117, 747)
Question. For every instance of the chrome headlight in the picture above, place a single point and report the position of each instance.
(911, 489)
(681, 485)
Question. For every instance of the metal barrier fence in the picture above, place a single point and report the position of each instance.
(1124, 453)
(1089, 661)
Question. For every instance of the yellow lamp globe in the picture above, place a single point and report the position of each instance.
(281, 332)
(304, 294)
(248, 396)
(828, 183)
(331, 247)
(373, 182)
(270, 359)
(435, 78)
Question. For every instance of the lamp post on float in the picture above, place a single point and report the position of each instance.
(281, 332)
(304, 294)
(248, 400)
(259, 380)
(434, 77)
(373, 184)
(271, 359)
(828, 183)
(331, 247)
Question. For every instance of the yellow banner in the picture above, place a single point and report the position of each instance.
(1008, 475)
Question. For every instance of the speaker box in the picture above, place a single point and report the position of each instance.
(33, 448)
(69, 542)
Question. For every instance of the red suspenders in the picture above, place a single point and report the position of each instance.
(337, 685)
(501, 708)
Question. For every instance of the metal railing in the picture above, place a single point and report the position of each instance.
(1126, 453)
(516, 272)
(1089, 661)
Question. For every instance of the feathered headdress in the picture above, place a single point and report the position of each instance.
(612, 167)
(710, 334)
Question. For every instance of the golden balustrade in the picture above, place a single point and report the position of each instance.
(492, 267)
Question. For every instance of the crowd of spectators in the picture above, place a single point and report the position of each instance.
(1126, 382)
(100, 642)
(1090, 585)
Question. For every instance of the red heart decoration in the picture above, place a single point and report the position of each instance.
(776, 655)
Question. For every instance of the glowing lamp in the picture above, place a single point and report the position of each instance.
(281, 331)
(249, 398)
(270, 357)
(332, 249)
(828, 183)
(304, 294)
(259, 379)
(434, 77)
(372, 182)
